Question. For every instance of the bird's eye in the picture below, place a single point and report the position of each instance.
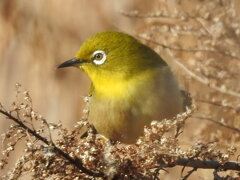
(99, 57)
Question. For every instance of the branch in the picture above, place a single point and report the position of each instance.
(205, 164)
(225, 53)
(135, 14)
(207, 82)
(228, 106)
(192, 74)
(76, 162)
(189, 173)
(219, 123)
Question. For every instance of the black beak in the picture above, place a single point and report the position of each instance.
(72, 62)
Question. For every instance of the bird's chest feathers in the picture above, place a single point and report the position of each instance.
(123, 97)
(110, 88)
(117, 105)
(113, 106)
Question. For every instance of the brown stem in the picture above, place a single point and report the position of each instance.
(205, 164)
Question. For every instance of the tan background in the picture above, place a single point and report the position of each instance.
(37, 35)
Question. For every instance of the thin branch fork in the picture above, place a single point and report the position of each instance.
(75, 162)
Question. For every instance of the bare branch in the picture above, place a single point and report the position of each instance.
(189, 173)
(206, 81)
(219, 123)
(205, 164)
(159, 14)
(191, 73)
(220, 104)
(225, 53)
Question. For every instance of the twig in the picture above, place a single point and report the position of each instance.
(219, 123)
(75, 162)
(205, 164)
(191, 73)
(236, 110)
(216, 176)
(135, 14)
(189, 50)
(160, 15)
(189, 173)
(207, 82)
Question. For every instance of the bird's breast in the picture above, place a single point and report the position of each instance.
(119, 109)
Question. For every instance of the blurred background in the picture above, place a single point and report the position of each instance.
(37, 35)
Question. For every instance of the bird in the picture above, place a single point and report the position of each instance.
(131, 85)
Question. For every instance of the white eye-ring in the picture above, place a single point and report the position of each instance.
(99, 57)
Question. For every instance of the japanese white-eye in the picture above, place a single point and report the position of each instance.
(131, 85)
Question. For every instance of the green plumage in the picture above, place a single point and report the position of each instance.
(131, 85)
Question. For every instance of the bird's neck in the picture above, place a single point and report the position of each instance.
(113, 87)
(117, 87)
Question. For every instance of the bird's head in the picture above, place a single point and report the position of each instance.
(113, 54)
